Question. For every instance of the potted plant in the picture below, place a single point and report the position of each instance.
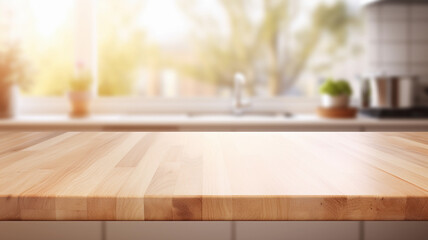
(335, 94)
(13, 73)
(80, 92)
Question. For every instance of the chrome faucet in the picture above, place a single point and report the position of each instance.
(239, 104)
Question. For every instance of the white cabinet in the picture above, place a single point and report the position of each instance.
(396, 230)
(50, 230)
(168, 230)
(297, 230)
(213, 230)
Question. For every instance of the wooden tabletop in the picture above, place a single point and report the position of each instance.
(213, 176)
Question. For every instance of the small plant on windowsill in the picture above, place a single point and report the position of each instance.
(80, 92)
(13, 74)
(335, 93)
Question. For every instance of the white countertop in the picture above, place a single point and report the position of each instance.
(184, 122)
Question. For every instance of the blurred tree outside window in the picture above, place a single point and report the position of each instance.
(192, 48)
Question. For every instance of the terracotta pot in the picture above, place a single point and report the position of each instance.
(328, 101)
(80, 103)
(8, 97)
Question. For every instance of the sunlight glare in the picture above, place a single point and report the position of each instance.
(163, 20)
(50, 14)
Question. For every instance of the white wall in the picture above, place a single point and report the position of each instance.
(397, 40)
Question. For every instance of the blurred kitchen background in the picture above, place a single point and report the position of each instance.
(92, 57)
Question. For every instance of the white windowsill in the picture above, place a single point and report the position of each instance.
(142, 114)
(184, 122)
(141, 105)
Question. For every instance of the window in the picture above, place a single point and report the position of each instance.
(189, 48)
(44, 31)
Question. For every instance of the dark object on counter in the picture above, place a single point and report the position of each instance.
(417, 112)
(365, 93)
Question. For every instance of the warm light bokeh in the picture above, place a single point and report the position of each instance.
(186, 48)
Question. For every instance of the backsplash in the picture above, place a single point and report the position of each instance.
(397, 41)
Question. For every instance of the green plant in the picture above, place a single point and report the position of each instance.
(336, 88)
(82, 82)
(13, 69)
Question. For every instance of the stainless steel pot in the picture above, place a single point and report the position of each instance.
(392, 92)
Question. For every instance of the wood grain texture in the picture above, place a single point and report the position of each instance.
(213, 176)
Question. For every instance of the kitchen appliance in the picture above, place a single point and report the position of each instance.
(392, 92)
(393, 97)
